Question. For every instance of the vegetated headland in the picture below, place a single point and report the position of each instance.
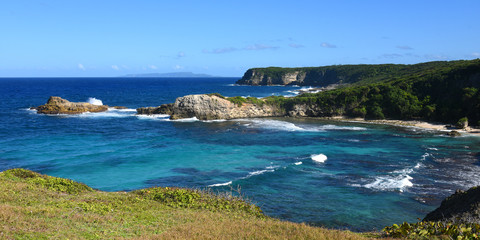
(443, 92)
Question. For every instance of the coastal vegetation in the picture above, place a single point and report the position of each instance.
(435, 91)
(36, 206)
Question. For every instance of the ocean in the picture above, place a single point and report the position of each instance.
(353, 176)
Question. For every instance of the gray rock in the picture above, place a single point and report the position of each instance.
(162, 109)
(208, 107)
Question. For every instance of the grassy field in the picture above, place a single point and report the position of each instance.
(35, 206)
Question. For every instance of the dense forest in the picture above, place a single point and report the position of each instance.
(436, 91)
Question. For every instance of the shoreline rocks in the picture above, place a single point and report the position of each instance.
(58, 105)
(462, 206)
(209, 107)
(162, 109)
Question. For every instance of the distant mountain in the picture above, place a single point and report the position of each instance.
(171, 75)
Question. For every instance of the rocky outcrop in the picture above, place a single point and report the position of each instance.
(312, 110)
(463, 206)
(208, 107)
(287, 76)
(58, 105)
(162, 109)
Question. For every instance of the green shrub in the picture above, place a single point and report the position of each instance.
(375, 112)
(239, 101)
(462, 123)
(428, 230)
(216, 94)
(51, 183)
(191, 198)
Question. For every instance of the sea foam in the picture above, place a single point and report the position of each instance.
(388, 183)
(220, 184)
(320, 158)
(95, 101)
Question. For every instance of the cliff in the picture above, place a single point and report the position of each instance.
(342, 74)
(463, 206)
(210, 106)
(58, 105)
(290, 76)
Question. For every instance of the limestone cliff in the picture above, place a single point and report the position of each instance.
(57, 105)
(291, 76)
(207, 107)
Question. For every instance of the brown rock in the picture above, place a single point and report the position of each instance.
(57, 105)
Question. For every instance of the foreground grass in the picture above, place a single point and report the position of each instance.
(35, 206)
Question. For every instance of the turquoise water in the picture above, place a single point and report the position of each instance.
(340, 175)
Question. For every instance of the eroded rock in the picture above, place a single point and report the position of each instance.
(58, 105)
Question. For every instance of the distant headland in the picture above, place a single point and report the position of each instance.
(170, 75)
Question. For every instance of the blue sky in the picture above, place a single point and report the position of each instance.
(225, 38)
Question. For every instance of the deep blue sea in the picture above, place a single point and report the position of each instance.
(341, 175)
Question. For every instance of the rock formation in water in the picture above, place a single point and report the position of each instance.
(58, 105)
(463, 206)
(207, 107)
(162, 109)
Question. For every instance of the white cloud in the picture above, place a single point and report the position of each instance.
(81, 67)
(152, 67)
(220, 50)
(115, 67)
(177, 67)
(259, 47)
(294, 45)
(328, 45)
(476, 54)
(436, 57)
(391, 55)
(405, 47)
(180, 54)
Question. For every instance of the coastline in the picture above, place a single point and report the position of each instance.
(469, 131)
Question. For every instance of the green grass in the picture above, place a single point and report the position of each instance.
(36, 206)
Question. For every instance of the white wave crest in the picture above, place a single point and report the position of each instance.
(254, 173)
(110, 113)
(425, 155)
(388, 183)
(334, 127)
(215, 120)
(193, 119)
(95, 101)
(273, 125)
(320, 158)
(160, 117)
(298, 163)
(291, 127)
(220, 184)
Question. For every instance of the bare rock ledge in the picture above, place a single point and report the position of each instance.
(58, 105)
(208, 107)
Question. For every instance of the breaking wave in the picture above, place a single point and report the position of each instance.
(95, 101)
(319, 158)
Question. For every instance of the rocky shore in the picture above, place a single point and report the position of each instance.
(210, 107)
(58, 105)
